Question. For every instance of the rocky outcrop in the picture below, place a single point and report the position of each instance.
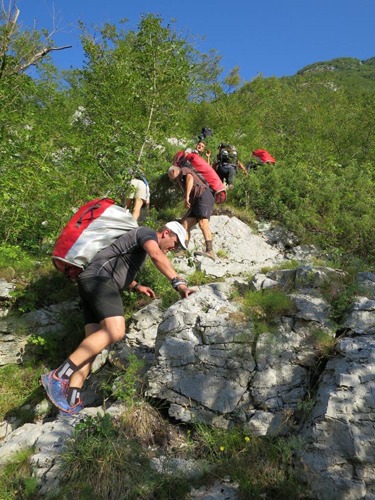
(15, 332)
(213, 366)
(210, 362)
(241, 250)
(339, 458)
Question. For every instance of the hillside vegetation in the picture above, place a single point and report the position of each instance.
(66, 138)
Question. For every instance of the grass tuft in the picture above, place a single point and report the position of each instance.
(267, 305)
(15, 477)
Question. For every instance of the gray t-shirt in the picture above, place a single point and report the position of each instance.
(122, 260)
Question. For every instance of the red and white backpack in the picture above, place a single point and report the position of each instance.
(94, 226)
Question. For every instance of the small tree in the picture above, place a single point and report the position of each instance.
(21, 48)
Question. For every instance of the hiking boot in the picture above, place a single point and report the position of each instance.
(73, 410)
(57, 390)
(210, 254)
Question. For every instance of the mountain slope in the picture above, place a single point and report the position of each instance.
(356, 75)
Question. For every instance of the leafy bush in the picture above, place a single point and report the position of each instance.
(331, 206)
(15, 257)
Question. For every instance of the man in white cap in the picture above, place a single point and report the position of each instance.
(113, 269)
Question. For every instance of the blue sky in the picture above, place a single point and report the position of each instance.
(269, 37)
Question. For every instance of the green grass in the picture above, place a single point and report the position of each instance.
(129, 383)
(288, 264)
(15, 477)
(324, 342)
(110, 458)
(198, 278)
(20, 386)
(107, 459)
(339, 291)
(104, 462)
(267, 305)
(262, 466)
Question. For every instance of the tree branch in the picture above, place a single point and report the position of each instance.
(12, 26)
(36, 57)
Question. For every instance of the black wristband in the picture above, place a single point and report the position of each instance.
(177, 281)
(134, 288)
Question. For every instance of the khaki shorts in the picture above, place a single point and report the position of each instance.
(140, 190)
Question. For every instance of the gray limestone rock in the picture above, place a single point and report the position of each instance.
(339, 460)
(241, 250)
(209, 363)
(5, 290)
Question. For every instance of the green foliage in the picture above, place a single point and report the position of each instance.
(151, 276)
(267, 304)
(358, 76)
(198, 278)
(324, 342)
(263, 326)
(329, 206)
(289, 264)
(44, 288)
(128, 386)
(14, 256)
(16, 477)
(340, 291)
(261, 466)
(20, 386)
(60, 146)
(103, 462)
(100, 460)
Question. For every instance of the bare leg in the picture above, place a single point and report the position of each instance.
(205, 228)
(137, 208)
(98, 337)
(188, 224)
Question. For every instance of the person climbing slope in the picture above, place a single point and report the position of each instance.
(113, 269)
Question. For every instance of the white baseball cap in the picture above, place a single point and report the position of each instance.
(178, 229)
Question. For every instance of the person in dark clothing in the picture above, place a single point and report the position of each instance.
(227, 164)
(199, 201)
(113, 269)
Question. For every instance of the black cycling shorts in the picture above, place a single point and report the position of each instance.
(100, 299)
(202, 206)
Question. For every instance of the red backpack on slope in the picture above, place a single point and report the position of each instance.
(94, 226)
(204, 171)
(264, 156)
